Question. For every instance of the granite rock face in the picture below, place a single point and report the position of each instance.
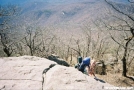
(22, 73)
(69, 78)
(35, 73)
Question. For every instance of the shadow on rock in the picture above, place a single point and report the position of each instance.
(58, 60)
(99, 80)
(52, 65)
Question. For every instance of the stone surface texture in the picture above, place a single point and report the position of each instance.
(26, 73)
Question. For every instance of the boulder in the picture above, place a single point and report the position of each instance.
(35, 73)
(100, 68)
(58, 60)
(22, 73)
(69, 78)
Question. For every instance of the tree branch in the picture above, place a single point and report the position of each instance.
(131, 18)
(130, 1)
(116, 41)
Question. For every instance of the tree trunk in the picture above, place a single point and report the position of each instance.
(6, 50)
(124, 73)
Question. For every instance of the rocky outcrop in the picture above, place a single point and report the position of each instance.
(100, 68)
(22, 73)
(103, 67)
(58, 60)
(34, 73)
(68, 78)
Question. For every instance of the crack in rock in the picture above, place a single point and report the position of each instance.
(2, 87)
(52, 65)
(13, 85)
(45, 71)
(28, 72)
(16, 79)
(80, 80)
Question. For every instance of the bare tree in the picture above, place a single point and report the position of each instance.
(87, 31)
(6, 14)
(131, 1)
(32, 40)
(96, 41)
(129, 24)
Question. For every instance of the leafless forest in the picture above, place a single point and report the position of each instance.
(106, 35)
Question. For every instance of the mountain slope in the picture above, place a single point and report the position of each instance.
(50, 12)
(46, 13)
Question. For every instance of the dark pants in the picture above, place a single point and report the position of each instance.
(82, 67)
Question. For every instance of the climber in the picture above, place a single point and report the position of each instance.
(90, 64)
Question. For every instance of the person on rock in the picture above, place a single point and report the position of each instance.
(90, 64)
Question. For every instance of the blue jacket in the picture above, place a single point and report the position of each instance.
(85, 62)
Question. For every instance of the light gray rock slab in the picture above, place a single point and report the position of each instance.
(27, 73)
(22, 73)
(68, 78)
